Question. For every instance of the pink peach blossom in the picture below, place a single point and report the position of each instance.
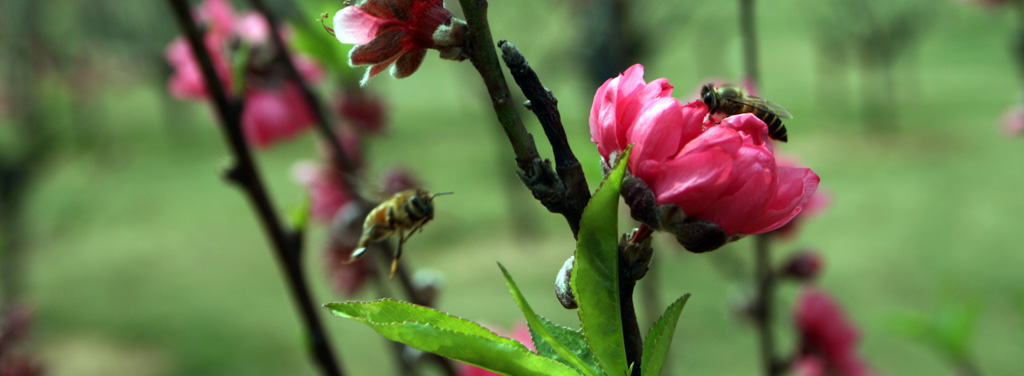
(274, 106)
(827, 336)
(725, 173)
(327, 192)
(273, 115)
(388, 32)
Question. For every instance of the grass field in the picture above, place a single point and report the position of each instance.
(144, 262)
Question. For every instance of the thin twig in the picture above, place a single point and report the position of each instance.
(570, 194)
(245, 174)
(748, 34)
(765, 278)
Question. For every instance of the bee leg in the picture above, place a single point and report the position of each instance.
(372, 234)
(398, 254)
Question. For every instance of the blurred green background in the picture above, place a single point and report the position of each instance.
(141, 260)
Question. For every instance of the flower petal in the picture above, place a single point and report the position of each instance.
(384, 47)
(354, 26)
(795, 188)
(656, 132)
(408, 63)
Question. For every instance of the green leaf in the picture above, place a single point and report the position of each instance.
(311, 39)
(571, 338)
(595, 280)
(660, 338)
(536, 326)
(949, 331)
(449, 336)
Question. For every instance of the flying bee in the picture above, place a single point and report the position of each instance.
(733, 100)
(404, 213)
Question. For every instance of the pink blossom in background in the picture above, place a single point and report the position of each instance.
(827, 337)
(344, 276)
(365, 111)
(724, 173)
(398, 179)
(388, 32)
(327, 192)
(275, 108)
(187, 80)
(1013, 121)
(274, 115)
(521, 333)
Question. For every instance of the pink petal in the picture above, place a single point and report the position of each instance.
(270, 116)
(253, 28)
(795, 189)
(354, 26)
(656, 132)
(603, 128)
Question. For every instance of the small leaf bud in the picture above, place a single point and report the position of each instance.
(563, 289)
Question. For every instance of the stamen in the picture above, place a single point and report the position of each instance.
(324, 16)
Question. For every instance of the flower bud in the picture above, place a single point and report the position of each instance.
(802, 266)
(563, 289)
(634, 255)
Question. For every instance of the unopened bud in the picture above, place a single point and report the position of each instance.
(450, 38)
(563, 289)
(802, 266)
(634, 255)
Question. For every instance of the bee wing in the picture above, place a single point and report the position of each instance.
(769, 106)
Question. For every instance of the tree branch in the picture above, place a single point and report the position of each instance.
(764, 277)
(569, 194)
(485, 60)
(244, 173)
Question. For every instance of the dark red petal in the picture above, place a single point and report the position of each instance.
(408, 63)
(383, 47)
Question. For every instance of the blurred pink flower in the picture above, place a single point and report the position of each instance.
(365, 111)
(521, 333)
(397, 179)
(272, 115)
(275, 109)
(187, 80)
(1013, 121)
(803, 265)
(344, 276)
(327, 191)
(397, 32)
(827, 337)
(725, 173)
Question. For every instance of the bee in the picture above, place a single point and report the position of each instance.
(733, 100)
(404, 213)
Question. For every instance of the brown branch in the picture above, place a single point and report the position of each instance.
(568, 193)
(244, 173)
(748, 34)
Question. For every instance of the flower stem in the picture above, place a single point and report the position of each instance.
(244, 173)
(748, 34)
(765, 279)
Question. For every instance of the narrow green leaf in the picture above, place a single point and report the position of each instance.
(449, 336)
(571, 338)
(537, 326)
(659, 339)
(298, 216)
(595, 280)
